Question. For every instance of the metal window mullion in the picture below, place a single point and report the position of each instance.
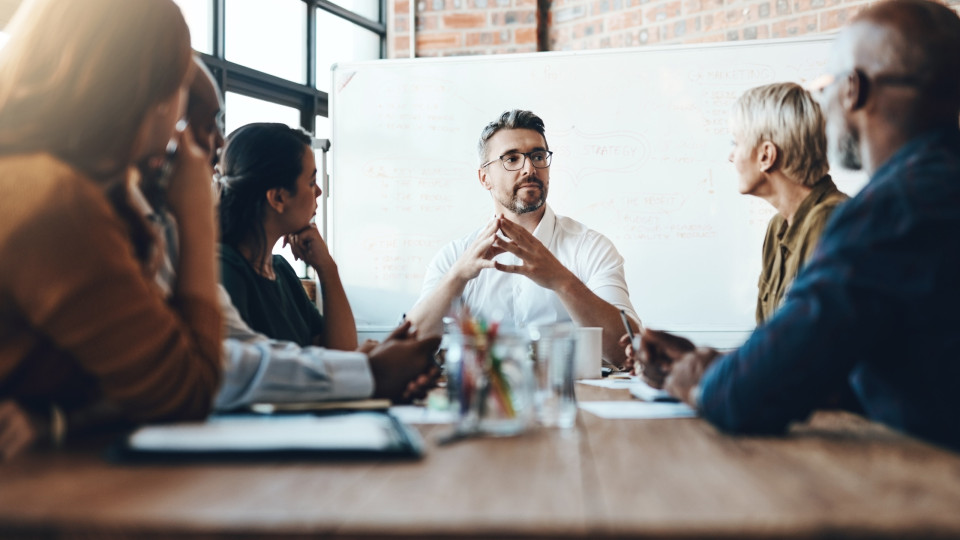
(377, 27)
(311, 45)
(219, 29)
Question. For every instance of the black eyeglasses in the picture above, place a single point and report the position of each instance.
(818, 86)
(514, 161)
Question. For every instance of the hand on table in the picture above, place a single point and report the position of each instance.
(671, 362)
(658, 351)
(367, 346)
(403, 366)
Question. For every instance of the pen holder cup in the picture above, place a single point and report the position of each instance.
(490, 383)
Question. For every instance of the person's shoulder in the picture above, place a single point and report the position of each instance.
(41, 186)
(230, 255)
(832, 200)
(822, 211)
(572, 228)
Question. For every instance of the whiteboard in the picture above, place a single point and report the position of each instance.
(641, 141)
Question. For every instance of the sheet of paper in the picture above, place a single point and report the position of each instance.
(265, 433)
(637, 409)
(413, 414)
(635, 385)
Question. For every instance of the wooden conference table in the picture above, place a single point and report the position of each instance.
(836, 476)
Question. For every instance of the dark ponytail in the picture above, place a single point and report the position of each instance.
(256, 158)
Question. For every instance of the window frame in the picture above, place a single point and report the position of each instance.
(306, 98)
(311, 102)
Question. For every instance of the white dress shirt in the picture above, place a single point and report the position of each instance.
(516, 300)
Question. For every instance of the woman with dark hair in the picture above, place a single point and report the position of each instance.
(88, 91)
(269, 191)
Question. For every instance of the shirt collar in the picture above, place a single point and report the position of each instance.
(823, 188)
(544, 230)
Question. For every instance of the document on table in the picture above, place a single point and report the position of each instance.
(248, 435)
(621, 410)
(635, 385)
(415, 414)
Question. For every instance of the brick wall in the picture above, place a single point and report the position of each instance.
(458, 27)
(591, 24)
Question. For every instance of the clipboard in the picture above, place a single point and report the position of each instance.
(259, 437)
(322, 406)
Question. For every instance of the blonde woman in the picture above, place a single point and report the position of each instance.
(780, 154)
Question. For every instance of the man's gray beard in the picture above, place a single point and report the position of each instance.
(844, 149)
(519, 208)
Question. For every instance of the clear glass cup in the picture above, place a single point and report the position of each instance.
(555, 349)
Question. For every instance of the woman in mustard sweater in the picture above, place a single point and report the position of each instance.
(90, 93)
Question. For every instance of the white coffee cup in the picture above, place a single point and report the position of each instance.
(589, 355)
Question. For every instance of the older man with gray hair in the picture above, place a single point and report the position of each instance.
(527, 265)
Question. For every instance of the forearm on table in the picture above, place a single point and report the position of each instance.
(340, 327)
(589, 310)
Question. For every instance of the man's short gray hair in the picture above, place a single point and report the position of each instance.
(515, 119)
(788, 116)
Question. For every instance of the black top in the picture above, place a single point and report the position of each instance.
(279, 309)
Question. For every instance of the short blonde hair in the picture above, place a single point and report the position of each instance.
(788, 116)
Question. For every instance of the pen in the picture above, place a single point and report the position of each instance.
(626, 324)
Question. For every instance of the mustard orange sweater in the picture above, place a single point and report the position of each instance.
(78, 318)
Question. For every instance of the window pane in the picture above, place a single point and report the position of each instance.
(324, 128)
(367, 8)
(268, 36)
(199, 16)
(242, 110)
(339, 40)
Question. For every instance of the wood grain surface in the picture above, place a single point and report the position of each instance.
(836, 476)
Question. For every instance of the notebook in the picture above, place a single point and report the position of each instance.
(350, 435)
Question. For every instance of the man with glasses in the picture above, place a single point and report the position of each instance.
(527, 265)
(878, 305)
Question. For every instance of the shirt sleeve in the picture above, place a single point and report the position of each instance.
(851, 291)
(441, 263)
(601, 268)
(79, 284)
(271, 371)
(260, 370)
